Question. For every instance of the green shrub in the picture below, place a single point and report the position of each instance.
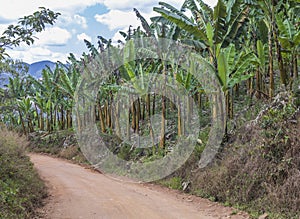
(21, 190)
(172, 183)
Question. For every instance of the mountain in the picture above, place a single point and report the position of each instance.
(4, 78)
(35, 69)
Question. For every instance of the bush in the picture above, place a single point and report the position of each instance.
(172, 183)
(259, 168)
(21, 190)
(61, 144)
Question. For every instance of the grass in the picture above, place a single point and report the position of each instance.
(172, 183)
(21, 189)
(62, 144)
(258, 169)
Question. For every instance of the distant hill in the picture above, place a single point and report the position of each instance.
(35, 69)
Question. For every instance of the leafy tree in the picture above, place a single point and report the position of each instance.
(24, 31)
(14, 98)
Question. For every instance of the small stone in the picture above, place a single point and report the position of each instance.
(199, 141)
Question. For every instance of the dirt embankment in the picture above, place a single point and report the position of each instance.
(76, 192)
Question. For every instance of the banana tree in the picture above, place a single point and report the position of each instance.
(15, 91)
(261, 70)
(213, 28)
(49, 93)
(233, 68)
(26, 113)
(68, 78)
(289, 37)
(270, 9)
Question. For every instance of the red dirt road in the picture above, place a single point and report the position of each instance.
(77, 192)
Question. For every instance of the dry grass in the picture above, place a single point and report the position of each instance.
(260, 170)
(21, 190)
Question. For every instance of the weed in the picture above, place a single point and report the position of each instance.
(21, 190)
(172, 183)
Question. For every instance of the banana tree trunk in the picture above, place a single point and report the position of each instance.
(138, 115)
(22, 122)
(283, 75)
(271, 70)
(148, 105)
(133, 115)
(282, 72)
(295, 66)
(179, 123)
(117, 123)
(128, 134)
(258, 82)
(153, 105)
(102, 122)
(62, 119)
(48, 122)
(37, 115)
(51, 119)
(163, 112)
(30, 125)
(41, 119)
(163, 126)
(69, 119)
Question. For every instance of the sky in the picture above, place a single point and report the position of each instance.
(79, 20)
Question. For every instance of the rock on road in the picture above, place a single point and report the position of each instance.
(77, 192)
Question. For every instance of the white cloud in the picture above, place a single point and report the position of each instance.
(84, 36)
(129, 4)
(117, 36)
(3, 28)
(121, 14)
(211, 3)
(13, 9)
(145, 5)
(66, 19)
(34, 54)
(53, 36)
(73, 31)
(80, 20)
(116, 19)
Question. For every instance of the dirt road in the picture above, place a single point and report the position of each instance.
(77, 192)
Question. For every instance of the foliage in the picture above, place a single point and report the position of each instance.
(172, 183)
(257, 171)
(14, 35)
(21, 190)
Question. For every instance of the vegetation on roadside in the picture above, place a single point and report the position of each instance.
(258, 170)
(62, 144)
(21, 189)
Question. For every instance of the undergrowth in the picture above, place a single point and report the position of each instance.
(259, 167)
(21, 190)
(62, 144)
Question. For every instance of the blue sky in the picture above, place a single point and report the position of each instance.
(79, 20)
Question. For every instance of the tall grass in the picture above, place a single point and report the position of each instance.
(21, 190)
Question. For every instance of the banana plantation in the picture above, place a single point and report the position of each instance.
(250, 47)
(193, 77)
